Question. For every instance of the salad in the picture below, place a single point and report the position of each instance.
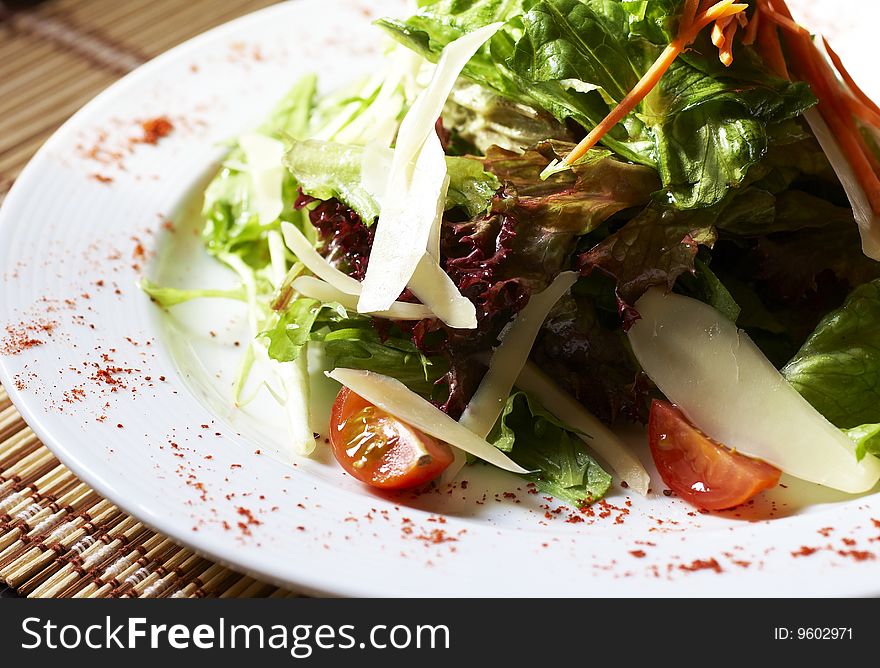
(545, 218)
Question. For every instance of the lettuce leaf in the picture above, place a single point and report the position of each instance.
(838, 369)
(703, 127)
(653, 249)
(293, 328)
(577, 200)
(704, 285)
(536, 440)
(166, 297)
(351, 341)
(481, 119)
(582, 347)
(327, 170)
(357, 345)
(232, 225)
(867, 439)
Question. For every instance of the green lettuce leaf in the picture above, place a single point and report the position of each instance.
(294, 327)
(351, 341)
(867, 439)
(166, 297)
(536, 440)
(704, 285)
(838, 369)
(481, 119)
(327, 170)
(231, 222)
(355, 344)
(755, 212)
(576, 200)
(471, 187)
(703, 127)
(653, 249)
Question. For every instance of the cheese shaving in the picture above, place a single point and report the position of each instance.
(395, 398)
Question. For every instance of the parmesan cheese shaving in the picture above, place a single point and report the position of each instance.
(417, 183)
(724, 385)
(485, 407)
(395, 398)
(411, 205)
(264, 162)
(440, 295)
(309, 286)
(306, 253)
(599, 438)
(867, 220)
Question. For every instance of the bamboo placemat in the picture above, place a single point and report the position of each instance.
(58, 538)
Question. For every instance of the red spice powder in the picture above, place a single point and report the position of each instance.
(250, 520)
(154, 130)
(638, 554)
(805, 551)
(100, 178)
(436, 537)
(702, 565)
(858, 555)
(23, 336)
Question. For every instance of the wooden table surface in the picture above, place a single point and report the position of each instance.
(56, 55)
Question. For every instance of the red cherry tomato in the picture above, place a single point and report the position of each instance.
(701, 471)
(380, 450)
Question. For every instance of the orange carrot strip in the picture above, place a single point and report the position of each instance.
(812, 68)
(771, 49)
(783, 21)
(649, 80)
(688, 13)
(718, 31)
(861, 111)
(853, 86)
(705, 5)
(725, 53)
(751, 32)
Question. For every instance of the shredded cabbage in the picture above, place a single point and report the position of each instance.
(264, 163)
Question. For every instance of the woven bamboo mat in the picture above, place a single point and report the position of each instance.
(58, 538)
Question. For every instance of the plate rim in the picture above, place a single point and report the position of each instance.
(317, 582)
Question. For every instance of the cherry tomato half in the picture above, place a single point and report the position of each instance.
(380, 450)
(701, 471)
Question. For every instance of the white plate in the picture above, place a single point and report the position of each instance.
(160, 440)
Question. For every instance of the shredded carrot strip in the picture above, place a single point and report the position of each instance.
(688, 13)
(725, 53)
(751, 33)
(857, 92)
(718, 31)
(743, 19)
(812, 67)
(687, 33)
(705, 5)
(783, 21)
(863, 112)
(771, 49)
